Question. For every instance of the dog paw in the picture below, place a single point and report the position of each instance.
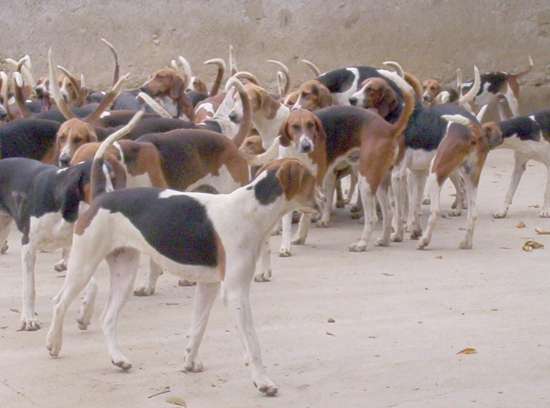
(122, 362)
(144, 291)
(358, 247)
(264, 276)
(269, 390)
(426, 201)
(416, 234)
(276, 231)
(4, 248)
(455, 213)
(355, 215)
(545, 214)
(382, 242)
(322, 224)
(194, 367)
(500, 214)
(423, 243)
(29, 325)
(465, 245)
(397, 237)
(284, 252)
(340, 204)
(185, 282)
(299, 241)
(53, 344)
(355, 209)
(83, 323)
(60, 266)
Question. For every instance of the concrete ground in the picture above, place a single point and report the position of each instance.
(376, 329)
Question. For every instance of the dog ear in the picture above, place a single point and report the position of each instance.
(92, 135)
(118, 174)
(268, 104)
(178, 87)
(71, 192)
(388, 101)
(320, 131)
(285, 136)
(325, 98)
(295, 179)
(492, 134)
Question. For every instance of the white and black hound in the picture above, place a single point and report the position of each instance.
(43, 201)
(190, 235)
(529, 137)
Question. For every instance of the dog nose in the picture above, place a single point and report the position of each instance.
(64, 162)
(353, 101)
(233, 116)
(426, 98)
(39, 91)
(143, 89)
(305, 147)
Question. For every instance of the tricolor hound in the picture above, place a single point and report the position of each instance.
(199, 243)
(529, 137)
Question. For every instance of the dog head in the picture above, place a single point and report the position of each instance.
(313, 95)
(375, 93)
(262, 103)
(492, 134)
(288, 177)
(165, 82)
(430, 89)
(289, 100)
(303, 130)
(71, 135)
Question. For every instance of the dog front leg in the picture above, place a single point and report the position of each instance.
(150, 282)
(29, 321)
(471, 194)
(87, 305)
(545, 213)
(284, 250)
(382, 194)
(205, 295)
(303, 227)
(418, 183)
(61, 265)
(399, 187)
(329, 185)
(520, 163)
(123, 265)
(434, 188)
(263, 265)
(5, 223)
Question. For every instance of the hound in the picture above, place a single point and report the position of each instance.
(499, 86)
(528, 136)
(200, 243)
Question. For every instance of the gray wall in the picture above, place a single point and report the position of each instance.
(430, 38)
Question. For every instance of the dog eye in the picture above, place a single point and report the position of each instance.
(309, 126)
(305, 94)
(295, 127)
(62, 139)
(77, 140)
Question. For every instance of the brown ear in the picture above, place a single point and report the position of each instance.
(268, 104)
(178, 87)
(285, 136)
(492, 134)
(118, 175)
(325, 98)
(295, 179)
(320, 131)
(92, 135)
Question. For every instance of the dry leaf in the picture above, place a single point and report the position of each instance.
(540, 231)
(520, 224)
(439, 257)
(535, 206)
(331, 334)
(331, 320)
(531, 244)
(14, 310)
(176, 401)
(468, 351)
(387, 274)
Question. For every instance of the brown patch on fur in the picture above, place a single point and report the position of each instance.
(221, 256)
(296, 179)
(262, 101)
(74, 133)
(85, 219)
(492, 133)
(314, 95)
(431, 88)
(202, 114)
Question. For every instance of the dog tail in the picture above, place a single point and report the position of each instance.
(522, 73)
(408, 106)
(473, 91)
(313, 67)
(100, 181)
(116, 73)
(246, 123)
(219, 76)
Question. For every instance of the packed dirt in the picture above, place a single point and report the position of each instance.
(383, 328)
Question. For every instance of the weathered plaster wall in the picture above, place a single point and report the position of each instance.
(430, 38)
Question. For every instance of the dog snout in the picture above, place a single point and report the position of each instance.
(305, 147)
(233, 117)
(426, 98)
(64, 162)
(353, 101)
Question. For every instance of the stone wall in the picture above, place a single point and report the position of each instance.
(430, 38)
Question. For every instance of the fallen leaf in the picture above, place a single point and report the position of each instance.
(540, 231)
(331, 334)
(531, 244)
(520, 224)
(14, 310)
(386, 274)
(4, 327)
(439, 257)
(176, 401)
(468, 351)
(172, 303)
(331, 320)
(535, 206)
